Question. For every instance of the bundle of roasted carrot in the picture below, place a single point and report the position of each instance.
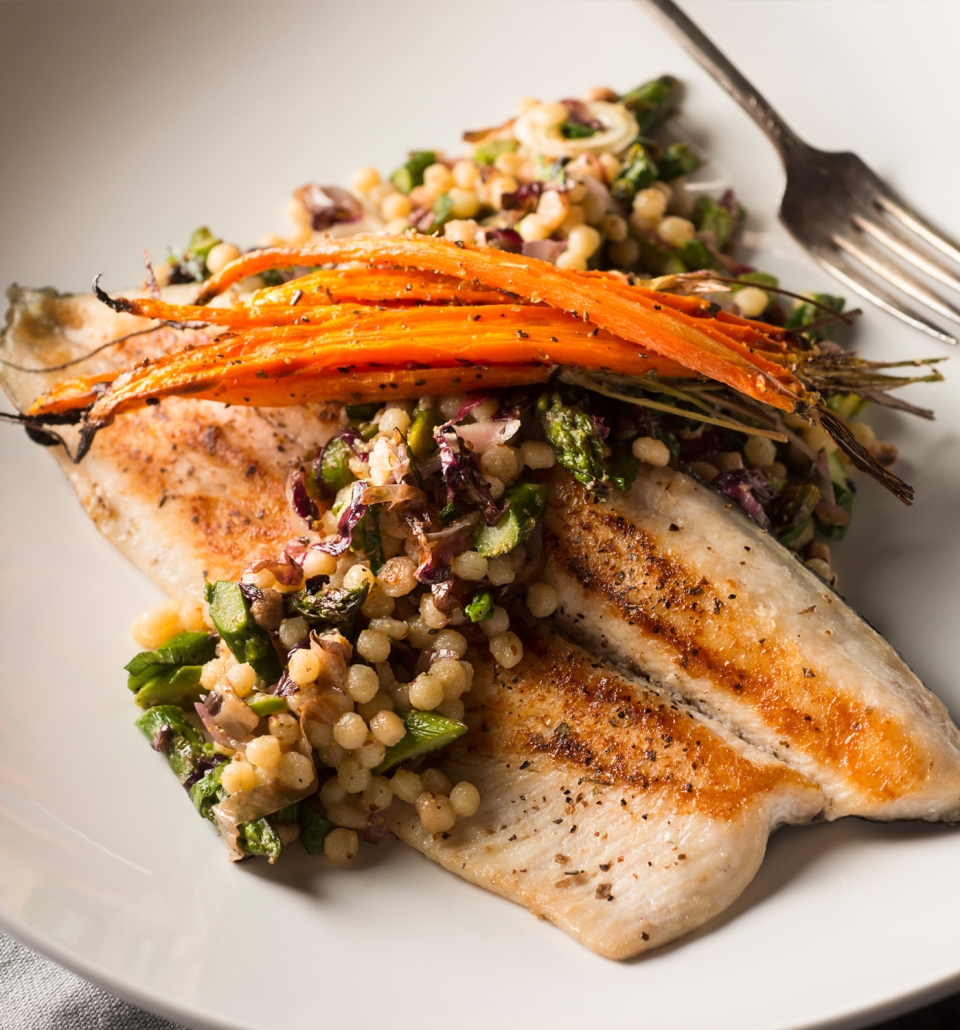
(427, 316)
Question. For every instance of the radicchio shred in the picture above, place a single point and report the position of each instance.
(460, 472)
(350, 517)
(328, 205)
(503, 239)
(301, 501)
(750, 489)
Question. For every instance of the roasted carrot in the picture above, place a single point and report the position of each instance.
(299, 385)
(443, 338)
(74, 394)
(376, 286)
(669, 333)
(241, 317)
(736, 337)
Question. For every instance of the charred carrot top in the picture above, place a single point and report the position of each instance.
(441, 338)
(672, 334)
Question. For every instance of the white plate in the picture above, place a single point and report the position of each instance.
(127, 124)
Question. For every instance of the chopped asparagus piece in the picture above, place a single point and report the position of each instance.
(653, 101)
(332, 605)
(487, 153)
(190, 648)
(480, 607)
(314, 827)
(442, 212)
(803, 314)
(576, 439)
(577, 130)
(678, 159)
(789, 536)
(527, 501)
(202, 241)
(426, 732)
(266, 704)
(714, 218)
(637, 173)
(207, 791)
(168, 731)
(258, 837)
(179, 685)
(420, 434)
(248, 642)
(150, 723)
(411, 174)
(199, 769)
(838, 471)
(794, 505)
(846, 405)
(657, 258)
(695, 256)
(358, 413)
(335, 471)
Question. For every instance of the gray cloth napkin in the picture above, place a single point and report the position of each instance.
(37, 994)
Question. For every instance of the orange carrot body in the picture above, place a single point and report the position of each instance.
(264, 315)
(449, 340)
(376, 286)
(671, 334)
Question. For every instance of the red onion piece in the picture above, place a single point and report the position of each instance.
(328, 205)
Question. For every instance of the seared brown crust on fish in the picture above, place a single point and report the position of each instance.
(675, 581)
(217, 473)
(621, 815)
(185, 489)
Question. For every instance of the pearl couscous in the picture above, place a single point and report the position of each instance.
(302, 699)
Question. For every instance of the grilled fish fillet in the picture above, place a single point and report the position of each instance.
(184, 489)
(624, 817)
(674, 580)
(659, 814)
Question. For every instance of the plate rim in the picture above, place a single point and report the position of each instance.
(194, 1016)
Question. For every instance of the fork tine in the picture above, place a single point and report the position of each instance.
(904, 247)
(837, 266)
(896, 208)
(891, 272)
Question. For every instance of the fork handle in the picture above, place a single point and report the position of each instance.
(736, 84)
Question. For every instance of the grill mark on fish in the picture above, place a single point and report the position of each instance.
(625, 571)
(561, 702)
(625, 836)
(157, 455)
(662, 597)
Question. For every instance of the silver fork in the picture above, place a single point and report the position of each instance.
(837, 208)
